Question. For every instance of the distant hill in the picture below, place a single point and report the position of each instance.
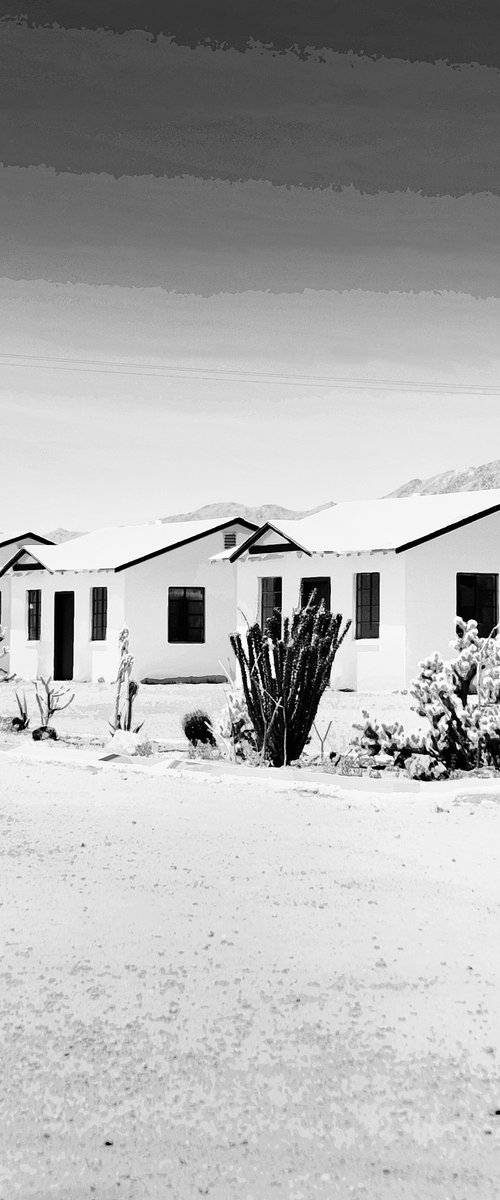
(469, 479)
(61, 535)
(259, 514)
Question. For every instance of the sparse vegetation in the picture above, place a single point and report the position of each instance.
(126, 688)
(459, 699)
(48, 697)
(198, 729)
(284, 677)
(20, 723)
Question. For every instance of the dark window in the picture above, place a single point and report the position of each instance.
(477, 600)
(323, 588)
(271, 597)
(186, 614)
(229, 541)
(368, 604)
(99, 614)
(34, 614)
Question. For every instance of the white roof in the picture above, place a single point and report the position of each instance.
(368, 525)
(114, 548)
(7, 538)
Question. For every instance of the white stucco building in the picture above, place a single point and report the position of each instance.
(69, 602)
(401, 569)
(10, 544)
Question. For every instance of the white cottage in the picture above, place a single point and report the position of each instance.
(69, 602)
(401, 569)
(10, 544)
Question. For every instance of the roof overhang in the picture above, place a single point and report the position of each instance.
(186, 542)
(37, 564)
(436, 533)
(250, 547)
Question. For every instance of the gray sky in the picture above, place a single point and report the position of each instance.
(237, 289)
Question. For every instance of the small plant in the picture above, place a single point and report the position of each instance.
(126, 688)
(322, 739)
(236, 728)
(22, 721)
(197, 727)
(47, 698)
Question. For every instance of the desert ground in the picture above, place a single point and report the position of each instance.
(162, 707)
(211, 987)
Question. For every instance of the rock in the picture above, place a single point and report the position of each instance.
(125, 742)
(44, 733)
(423, 766)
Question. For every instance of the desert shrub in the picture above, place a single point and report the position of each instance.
(21, 722)
(197, 727)
(284, 677)
(236, 729)
(459, 700)
(48, 697)
(378, 738)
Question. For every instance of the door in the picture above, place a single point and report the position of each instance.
(64, 629)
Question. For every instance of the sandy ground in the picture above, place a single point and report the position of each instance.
(212, 989)
(162, 708)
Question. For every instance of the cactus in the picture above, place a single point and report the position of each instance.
(47, 697)
(284, 677)
(197, 727)
(126, 687)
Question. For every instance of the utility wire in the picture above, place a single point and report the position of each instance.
(220, 374)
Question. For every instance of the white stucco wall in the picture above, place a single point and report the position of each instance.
(431, 571)
(137, 597)
(6, 553)
(146, 609)
(371, 665)
(92, 660)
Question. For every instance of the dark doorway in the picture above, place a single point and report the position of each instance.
(64, 626)
(322, 586)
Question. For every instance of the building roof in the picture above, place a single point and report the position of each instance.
(358, 526)
(114, 549)
(6, 539)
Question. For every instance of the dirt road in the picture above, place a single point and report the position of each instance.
(216, 990)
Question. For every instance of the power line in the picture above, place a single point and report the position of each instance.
(237, 375)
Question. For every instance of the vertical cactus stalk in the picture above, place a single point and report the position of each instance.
(284, 677)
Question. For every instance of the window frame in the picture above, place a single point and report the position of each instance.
(98, 619)
(186, 641)
(270, 579)
(476, 575)
(361, 624)
(315, 579)
(33, 610)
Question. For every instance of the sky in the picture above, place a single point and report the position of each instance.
(233, 269)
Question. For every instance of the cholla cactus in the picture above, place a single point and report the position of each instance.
(378, 737)
(461, 701)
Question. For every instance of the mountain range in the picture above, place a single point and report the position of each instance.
(468, 479)
(259, 513)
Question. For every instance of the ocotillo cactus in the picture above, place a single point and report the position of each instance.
(284, 677)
